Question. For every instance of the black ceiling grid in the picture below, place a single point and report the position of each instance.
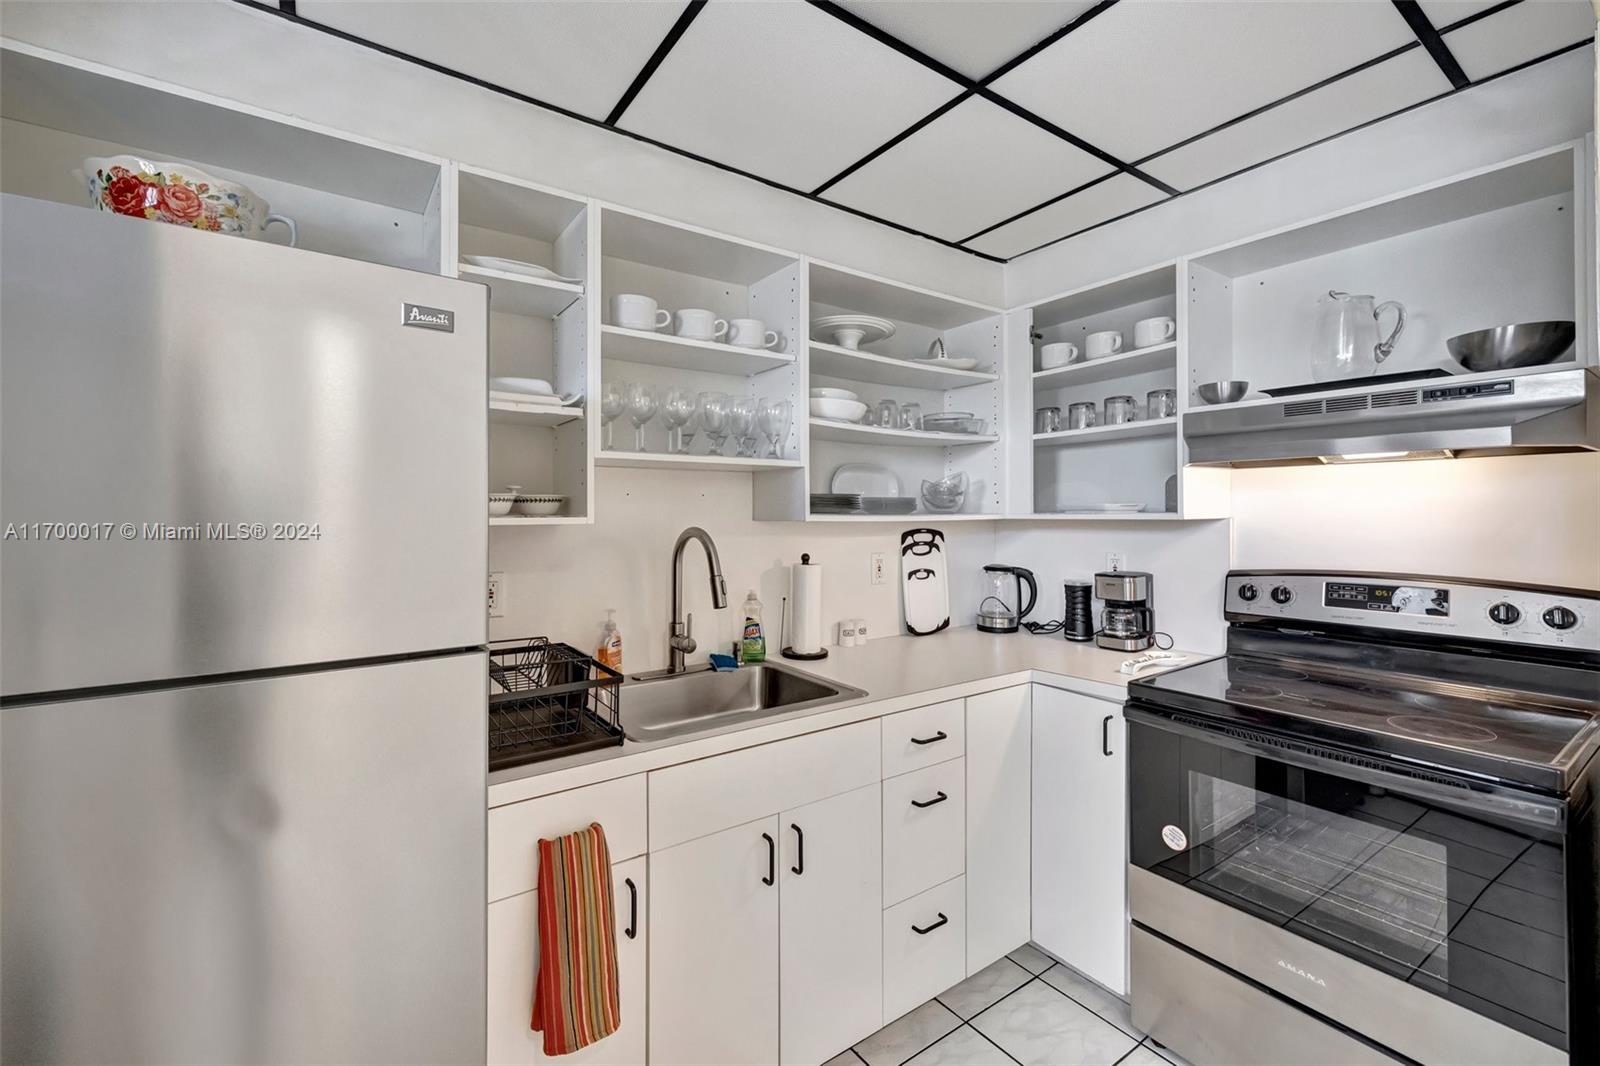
(977, 87)
(286, 12)
(1417, 19)
(681, 24)
(1536, 60)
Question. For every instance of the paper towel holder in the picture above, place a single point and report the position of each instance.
(788, 651)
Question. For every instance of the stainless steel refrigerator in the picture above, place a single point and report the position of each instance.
(242, 677)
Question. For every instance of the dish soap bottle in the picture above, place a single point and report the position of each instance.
(610, 651)
(755, 643)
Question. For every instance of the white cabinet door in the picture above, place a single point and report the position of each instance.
(514, 960)
(714, 948)
(832, 926)
(1080, 834)
(999, 743)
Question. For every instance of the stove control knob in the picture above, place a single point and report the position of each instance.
(1504, 614)
(1248, 592)
(1281, 594)
(1560, 618)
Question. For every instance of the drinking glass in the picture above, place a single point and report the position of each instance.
(1161, 403)
(888, 414)
(677, 408)
(1081, 416)
(713, 407)
(1120, 409)
(774, 419)
(742, 424)
(642, 406)
(911, 415)
(613, 401)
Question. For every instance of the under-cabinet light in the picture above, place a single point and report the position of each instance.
(1386, 457)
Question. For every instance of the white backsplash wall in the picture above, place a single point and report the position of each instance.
(559, 580)
(1187, 561)
(1533, 518)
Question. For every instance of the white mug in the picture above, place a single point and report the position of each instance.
(632, 311)
(698, 324)
(1102, 344)
(751, 333)
(1148, 331)
(1058, 354)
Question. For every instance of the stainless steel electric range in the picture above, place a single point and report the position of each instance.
(1368, 832)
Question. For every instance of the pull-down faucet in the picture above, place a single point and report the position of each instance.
(680, 641)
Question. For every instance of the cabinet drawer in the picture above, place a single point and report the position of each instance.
(700, 798)
(918, 966)
(921, 737)
(515, 829)
(924, 835)
(513, 933)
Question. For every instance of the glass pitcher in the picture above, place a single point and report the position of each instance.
(1347, 344)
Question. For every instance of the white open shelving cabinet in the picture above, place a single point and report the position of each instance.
(1505, 243)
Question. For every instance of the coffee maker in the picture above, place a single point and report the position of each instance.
(1128, 620)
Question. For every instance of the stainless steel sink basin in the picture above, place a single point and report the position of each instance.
(656, 707)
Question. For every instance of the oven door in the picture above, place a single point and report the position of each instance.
(1427, 916)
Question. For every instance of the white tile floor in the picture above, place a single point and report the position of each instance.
(1025, 1008)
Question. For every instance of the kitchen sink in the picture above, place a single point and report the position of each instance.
(660, 706)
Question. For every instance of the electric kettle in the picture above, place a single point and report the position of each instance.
(1002, 609)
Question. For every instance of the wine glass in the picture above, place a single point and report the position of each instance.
(642, 405)
(773, 417)
(613, 401)
(677, 408)
(714, 419)
(742, 424)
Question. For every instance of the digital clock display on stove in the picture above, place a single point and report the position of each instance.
(1391, 599)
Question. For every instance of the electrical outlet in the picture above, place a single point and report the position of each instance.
(880, 568)
(497, 594)
(1116, 560)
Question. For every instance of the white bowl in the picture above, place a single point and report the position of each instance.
(833, 394)
(539, 506)
(500, 504)
(838, 410)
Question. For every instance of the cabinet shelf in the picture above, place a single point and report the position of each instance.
(663, 349)
(518, 295)
(1126, 364)
(666, 461)
(538, 520)
(849, 433)
(511, 412)
(831, 360)
(1101, 434)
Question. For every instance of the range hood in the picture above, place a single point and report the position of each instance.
(1468, 414)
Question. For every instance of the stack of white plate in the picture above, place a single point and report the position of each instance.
(838, 405)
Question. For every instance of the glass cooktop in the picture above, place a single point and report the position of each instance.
(1528, 738)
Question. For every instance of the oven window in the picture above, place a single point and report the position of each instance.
(1465, 908)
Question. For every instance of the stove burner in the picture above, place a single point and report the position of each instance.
(1265, 672)
(1260, 692)
(1442, 728)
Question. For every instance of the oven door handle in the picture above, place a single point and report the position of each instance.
(1469, 798)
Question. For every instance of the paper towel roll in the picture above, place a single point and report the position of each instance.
(806, 592)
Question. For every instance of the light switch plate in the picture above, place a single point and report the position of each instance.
(880, 568)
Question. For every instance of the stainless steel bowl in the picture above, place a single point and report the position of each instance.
(1508, 347)
(1223, 391)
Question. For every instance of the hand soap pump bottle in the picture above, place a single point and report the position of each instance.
(755, 641)
(610, 651)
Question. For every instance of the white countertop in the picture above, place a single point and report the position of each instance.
(897, 673)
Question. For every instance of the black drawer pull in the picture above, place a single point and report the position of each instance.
(940, 798)
(772, 860)
(921, 931)
(1105, 735)
(633, 909)
(799, 866)
(940, 735)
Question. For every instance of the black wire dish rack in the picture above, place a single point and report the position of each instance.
(547, 699)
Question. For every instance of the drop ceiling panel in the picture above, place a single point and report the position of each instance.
(578, 55)
(975, 37)
(1379, 90)
(1140, 77)
(782, 90)
(1520, 33)
(969, 168)
(1099, 203)
(1444, 13)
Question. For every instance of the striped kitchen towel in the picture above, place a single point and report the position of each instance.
(575, 999)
